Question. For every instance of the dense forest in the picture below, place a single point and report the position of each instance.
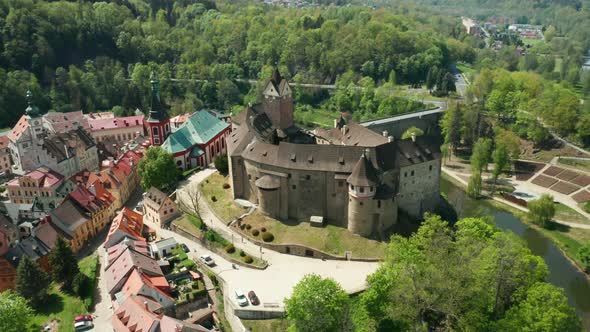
(98, 55)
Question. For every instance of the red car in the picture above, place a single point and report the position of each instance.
(253, 298)
(82, 318)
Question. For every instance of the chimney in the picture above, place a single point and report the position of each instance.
(414, 137)
(390, 139)
(67, 153)
(385, 133)
(335, 123)
(344, 130)
(146, 305)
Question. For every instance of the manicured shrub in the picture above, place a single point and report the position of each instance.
(263, 229)
(267, 237)
(230, 249)
(587, 207)
(213, 198)
(248, 226)
(226, 186)
(190, 265)
(248, 259)
(242, 253)
(195, 285)
(242, 226)
(255, 232)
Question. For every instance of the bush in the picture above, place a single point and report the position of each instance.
(587, 207)
(226, 186)
(242, 226)
(79, 284)
(230, 249)
(263, 229)
(242, 253)
(255, 232)
(190, 265)
(195, 285)
(248, 226)
(267, 237)
(213, 278)
(222, 164)
(213, 198)
(248, 259)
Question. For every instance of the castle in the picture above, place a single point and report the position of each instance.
(349, 175)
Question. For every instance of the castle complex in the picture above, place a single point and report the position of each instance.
(349, 175)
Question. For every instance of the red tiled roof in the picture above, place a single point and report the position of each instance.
(133, 316)
(46, 178)
(180, 118)
(114, 123)
(116, 250)
(137, 280)
(4, 142)
(86, 199)
(127, 221)
(19, 128)
(123, 265)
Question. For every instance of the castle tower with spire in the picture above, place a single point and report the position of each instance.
(371, 205)
(158, 122)
(278, 103)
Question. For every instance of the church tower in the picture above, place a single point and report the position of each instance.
(33, 115)
(278, 101)
(158, 122)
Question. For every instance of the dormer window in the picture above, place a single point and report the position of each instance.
(362, 190)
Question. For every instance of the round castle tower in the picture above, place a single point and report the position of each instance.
(362, 186)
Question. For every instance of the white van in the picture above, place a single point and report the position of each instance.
(83, 325)
(241, 297)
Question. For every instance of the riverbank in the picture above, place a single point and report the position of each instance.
(567, 239)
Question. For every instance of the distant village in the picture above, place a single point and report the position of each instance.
(70, 175)
(502, 31)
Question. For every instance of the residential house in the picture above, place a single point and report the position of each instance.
(158, 208)
(198, 141)
(31, 247)
(127, 224)
(121, 129)
(113, 252)
(40, 185)
(48, 233)
(5, 160)
(98, 204)
(8, 234)
(7, 275)
(120, 269)
(74, 221)
(163, 248)
(154, 287)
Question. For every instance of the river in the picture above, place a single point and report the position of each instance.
(562, 272)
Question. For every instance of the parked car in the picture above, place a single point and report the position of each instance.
(83, 325)
(242, 300)
(184, 248)
(81, 318)
(253, 298)
(207, 260)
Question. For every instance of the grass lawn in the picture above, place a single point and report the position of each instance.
(224, 205)
(330, 238)
(565, 213)
(189, 223)
(532, 42)
(583, 165)
(316, 117)
(266, 325)
(64, 307)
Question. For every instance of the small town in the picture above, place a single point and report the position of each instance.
(321, 165)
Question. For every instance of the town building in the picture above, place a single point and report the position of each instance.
(32, 145)
(8, 234)
(5, 159)
(349, 175)
(7, 275)
(122, 129)
(158, 122)
(127, 224)
(471, 26)
(163, 247)
(198, 141)
(56, 122)
(158, 208)
(39, 186)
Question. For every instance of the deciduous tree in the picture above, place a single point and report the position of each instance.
(15, 313)
(158, 169)
(541, 210)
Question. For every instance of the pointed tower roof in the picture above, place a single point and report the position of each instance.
(158, 109)
(276, 77)
(363, 173)
(32, 110)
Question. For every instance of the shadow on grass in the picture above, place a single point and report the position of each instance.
(553, 226)
(52, 305)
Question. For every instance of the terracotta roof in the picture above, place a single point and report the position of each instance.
(116, 250)
(138, 281)
(123, 265)
(4, 142)
(169, 324)
(64, 122)
(86, 199)
(46, 178)
(128, 222)
(133, 316)
(114, 123)
(6, 269)
(351, 134)
(363, 174)
(180, 118)
(19, 128)
(100, 115)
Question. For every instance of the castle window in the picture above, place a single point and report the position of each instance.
(249, 177)
(156, 140)
(361, 203)
(340, 183)
(412, 173)
(289, 176)
(294, 187)
(430, 168)
(155, 130)
(178, 162)
(362, 189)
(405, 174)
(351, 187)
(371, 189)
(308, 177)
(379, 204)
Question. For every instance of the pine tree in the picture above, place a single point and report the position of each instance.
(64, 266)
(31, 281)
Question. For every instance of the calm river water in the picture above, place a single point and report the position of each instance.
(562, 272)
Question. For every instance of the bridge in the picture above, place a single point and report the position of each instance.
(395, 126)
